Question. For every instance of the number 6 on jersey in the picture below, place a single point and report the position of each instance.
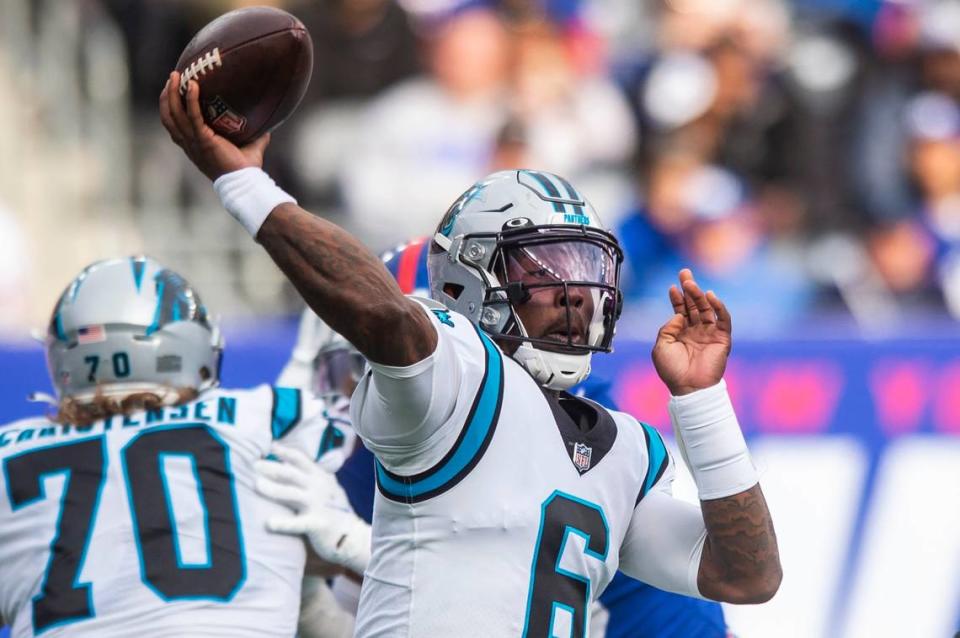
(554, 590)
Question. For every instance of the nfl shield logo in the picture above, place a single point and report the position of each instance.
(581, 456)
(222, 118)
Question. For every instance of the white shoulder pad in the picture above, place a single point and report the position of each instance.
(429, 303)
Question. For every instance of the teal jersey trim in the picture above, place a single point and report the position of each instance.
(286, 411)
(657, 459)
(470, 446)
(331, 439)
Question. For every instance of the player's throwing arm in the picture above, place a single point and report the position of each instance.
(529, 279)
(338, 277)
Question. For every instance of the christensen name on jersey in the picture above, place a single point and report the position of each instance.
(148, 524)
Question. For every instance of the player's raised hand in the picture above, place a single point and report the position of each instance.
(213, 154)
(692, 347)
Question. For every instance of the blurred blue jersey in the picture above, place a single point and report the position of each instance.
(636, 610)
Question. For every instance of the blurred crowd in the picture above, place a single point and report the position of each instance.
(803, 157)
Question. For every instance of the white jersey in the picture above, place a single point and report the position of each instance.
(149, 525)
(497, 514)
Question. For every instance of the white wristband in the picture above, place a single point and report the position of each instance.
(249, 195)
(711, 442)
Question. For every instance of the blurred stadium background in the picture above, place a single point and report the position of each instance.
(803, 157)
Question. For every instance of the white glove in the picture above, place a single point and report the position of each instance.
(323, 513)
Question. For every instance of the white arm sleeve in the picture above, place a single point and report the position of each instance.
(399, 412)
(664, 543)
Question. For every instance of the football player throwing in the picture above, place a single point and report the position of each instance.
(505, 504)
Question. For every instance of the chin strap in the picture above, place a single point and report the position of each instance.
(553, 370)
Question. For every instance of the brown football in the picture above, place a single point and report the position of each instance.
(253, 66)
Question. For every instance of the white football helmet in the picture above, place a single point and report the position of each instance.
(518, 233)
(130, 325)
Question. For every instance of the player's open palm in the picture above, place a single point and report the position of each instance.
(692, 347)
(213, 154)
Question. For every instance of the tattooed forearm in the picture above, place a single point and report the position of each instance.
(741, 562)
(347, 286)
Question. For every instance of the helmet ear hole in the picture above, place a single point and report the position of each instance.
(453, 290)
(205, 373)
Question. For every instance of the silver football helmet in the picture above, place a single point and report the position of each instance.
(522, 233)
(129, 325)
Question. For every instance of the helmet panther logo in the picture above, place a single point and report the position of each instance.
(176, 301)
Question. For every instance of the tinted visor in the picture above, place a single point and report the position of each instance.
(570, 261)
(579, 274)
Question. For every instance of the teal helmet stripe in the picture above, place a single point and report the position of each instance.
(155, 324)
(572, 194)
(69, 296)
(75, 285)
(549, 189)
(58, 327)
(138, 265)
